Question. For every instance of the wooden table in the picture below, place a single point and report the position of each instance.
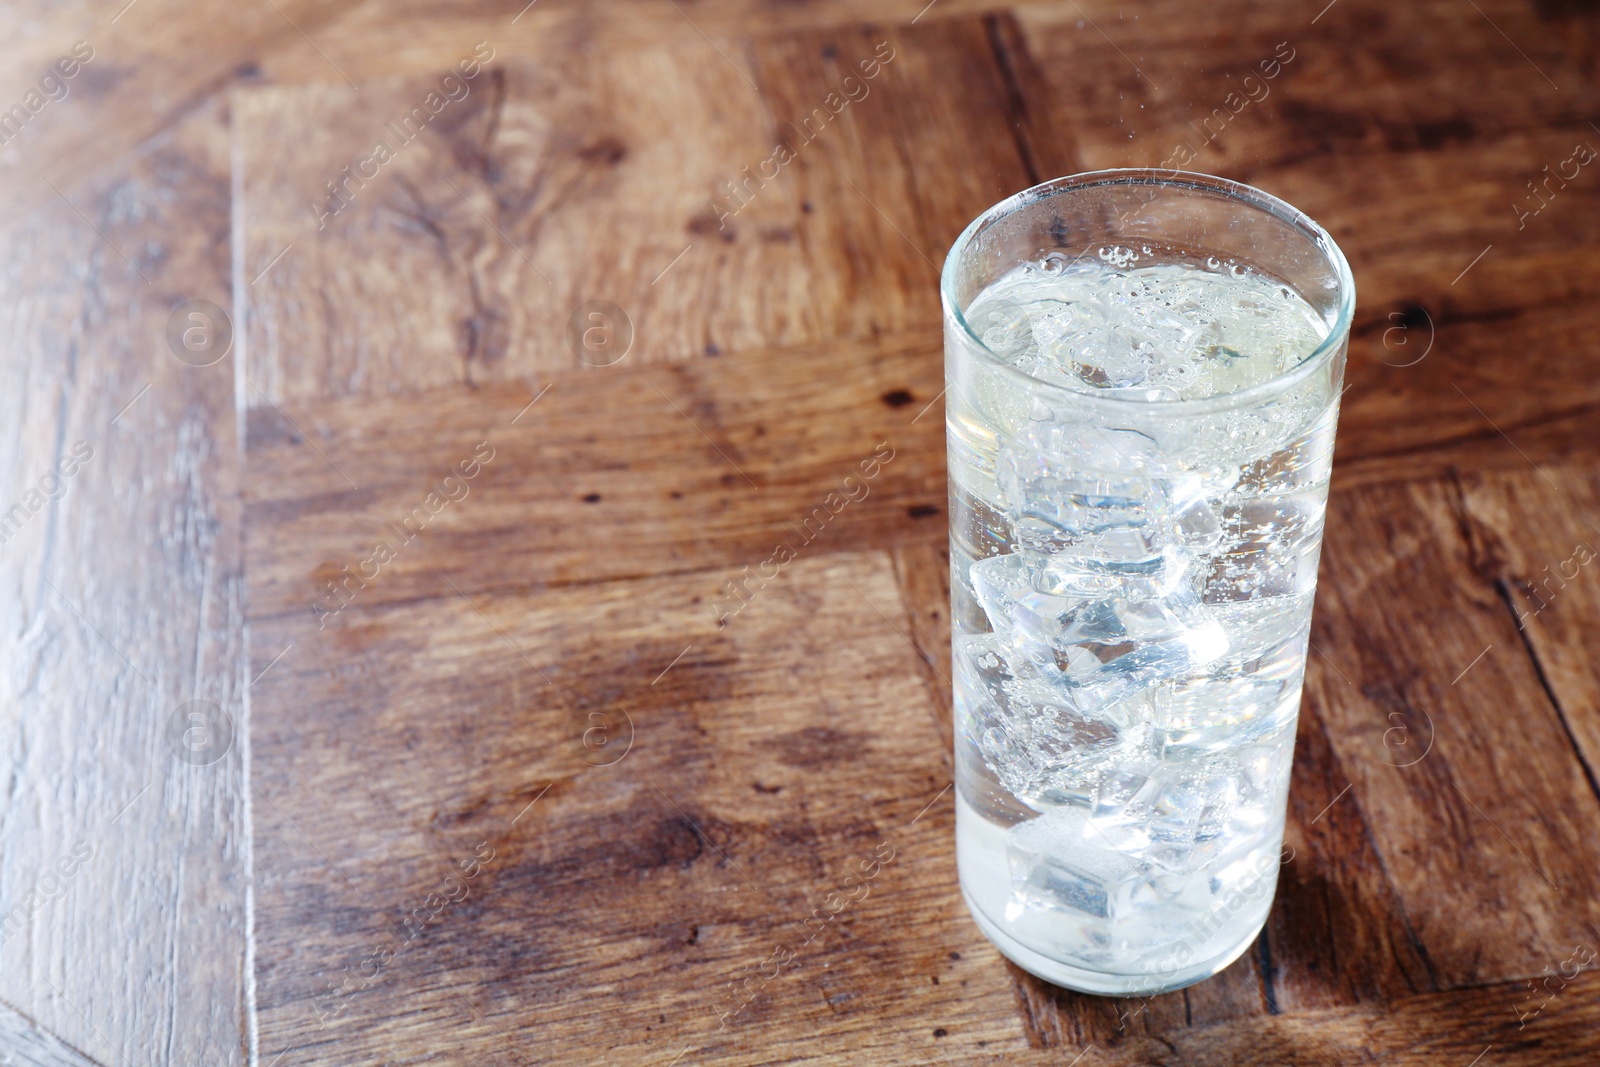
(373, 689)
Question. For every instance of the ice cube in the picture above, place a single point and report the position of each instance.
(1070, 788)
(1149, 817)
(1054, 507)
(1101, 651)
(1264, 774)
(967, 615)
(1118, 522)
(1051, 321)
(1114, 820)
(975, 525)
(1252, 691)
(1263, 630)
(1030, 585)
(1023, 599)
(1081, 569)
(1030, 734)
(1272, 548)
(1251, 875)
(999, 580)
(1302, 465)
(1173, 811)
(1199, 527)
(1144, 640)
(1071, 441)
(1222, 796)
(1242, 793)
(1112, 358)
(1117, 791)
(1060, 575)
(1057, 866)
(1205, 827)
(1223, 710)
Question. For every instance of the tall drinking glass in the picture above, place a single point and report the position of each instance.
(1143, 372)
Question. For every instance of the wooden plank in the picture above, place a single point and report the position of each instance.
(151, 64)
(25, 1043)
(768, 759)
(1427, 115)
(651, 179)
(1339, 933)
(891, 188)
(1152, 87)
(1485, 822)
(1535, 537)
(923, 571)
(157, 61)
(1057, 1018)
(1336, 929)
(375, 40)
(1448, 1028)
(694, 466)
(533, 204)
(1048, 147)
(1551, 438)
(122, 894)
(1415, 1031)
(1395, 407)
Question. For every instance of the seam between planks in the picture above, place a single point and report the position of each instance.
(1502, 589)
(252, 1030)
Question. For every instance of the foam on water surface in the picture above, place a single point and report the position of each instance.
(1159, 331)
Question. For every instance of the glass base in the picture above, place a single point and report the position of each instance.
(1100, 983)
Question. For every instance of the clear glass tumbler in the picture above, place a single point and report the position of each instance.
(1143, 372)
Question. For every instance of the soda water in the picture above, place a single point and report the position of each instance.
(1134, 543)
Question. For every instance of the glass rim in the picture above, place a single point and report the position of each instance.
(1318, 358)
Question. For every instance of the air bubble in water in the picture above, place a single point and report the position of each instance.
(1118, 257)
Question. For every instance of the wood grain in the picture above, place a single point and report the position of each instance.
(539, 175)
(1458, 793)
(153, 65)
(26, 1043)
(122, 892)
(924, 575)
(570, 601)
(547, 186)
(1339, 931)
(734, 461)
(766, 761)
(1358, 928)
(1534, 536)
